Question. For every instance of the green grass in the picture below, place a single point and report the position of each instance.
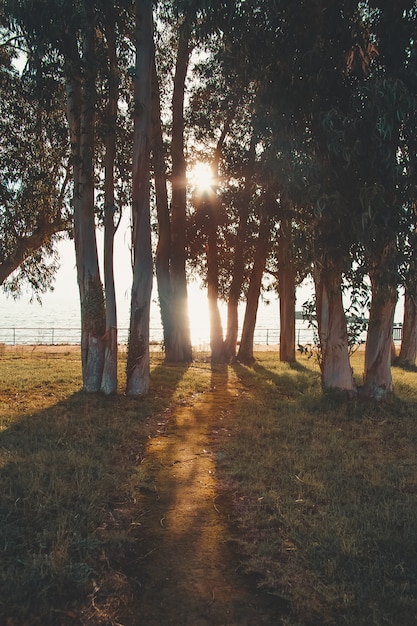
(69, 483)
(324, 490)
(326, 498)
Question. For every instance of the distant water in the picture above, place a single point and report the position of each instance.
(57, 320)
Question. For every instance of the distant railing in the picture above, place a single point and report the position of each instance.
(57, 335)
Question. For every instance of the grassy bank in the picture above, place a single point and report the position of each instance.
(324, 492)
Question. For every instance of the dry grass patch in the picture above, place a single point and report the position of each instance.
(70, 508)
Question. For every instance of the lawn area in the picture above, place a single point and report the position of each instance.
(326, 494)
(321, 491)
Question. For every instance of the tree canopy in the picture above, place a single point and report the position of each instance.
(304, 111)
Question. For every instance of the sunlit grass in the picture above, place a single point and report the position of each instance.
(324, 489)
(69, 488)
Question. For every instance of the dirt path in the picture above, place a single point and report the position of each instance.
(190, 575)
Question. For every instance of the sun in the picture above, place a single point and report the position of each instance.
(201, 177)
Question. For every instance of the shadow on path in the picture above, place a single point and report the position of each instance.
(189, 573)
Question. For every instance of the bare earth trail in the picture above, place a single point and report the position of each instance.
(190, 576)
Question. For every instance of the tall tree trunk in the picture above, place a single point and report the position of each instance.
(213, 205)
(408, 350)
(286, 290)
(109, 379)
(238, 272)
(377, 375)
(216, 330)
(163, 250)
(179, 349)
(245, 352)
(336, 372)
(138, 364)
(81, 97)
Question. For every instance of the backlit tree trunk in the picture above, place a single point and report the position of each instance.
(81, 98)
(163, 250)
(408, 350)
(286, 290)
(138, 366)
(216, 330)
(377, 375)
(336, 372)
(179, 349)
(245, 352)
(109, 379)
(238, 273)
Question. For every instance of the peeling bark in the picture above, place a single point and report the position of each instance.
(336, 372)
(377, 375)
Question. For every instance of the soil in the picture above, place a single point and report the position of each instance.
(190, 572)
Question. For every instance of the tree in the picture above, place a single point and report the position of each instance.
(238, 269)
(109, 377)
(390, 103)
(286, 290)
(81, 73)
(245, 352)
(138, 350)
(408, 351)
(34, 191)
(163, 249)
(179, 348)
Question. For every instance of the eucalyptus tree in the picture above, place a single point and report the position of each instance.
(387, 105)
(109, 120)
(302, 77)
(171, 251)
(138, 350)
(221, 125)
(262, 248)
(64, 37)
(82, 50)
(80, 68)
(408, 350)
(218, 112)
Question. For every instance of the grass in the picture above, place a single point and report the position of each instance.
(68, 483)
(324, 490)
(326, 495)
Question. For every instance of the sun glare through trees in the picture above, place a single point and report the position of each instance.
(201, 177)
(312, 138)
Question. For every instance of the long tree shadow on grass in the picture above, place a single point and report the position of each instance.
(288, 379)
(327, 495)
(69, 483)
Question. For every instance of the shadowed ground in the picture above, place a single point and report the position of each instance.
(190, 574)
